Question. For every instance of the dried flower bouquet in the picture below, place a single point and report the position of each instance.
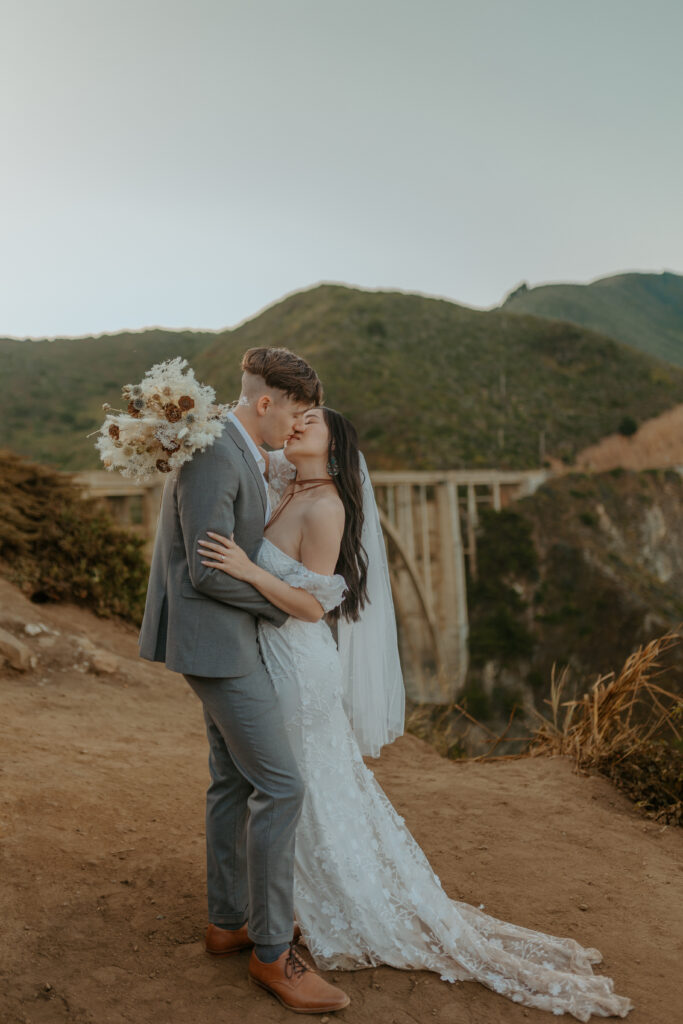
(169, 417)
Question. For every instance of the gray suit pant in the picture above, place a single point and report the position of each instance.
(252, 806)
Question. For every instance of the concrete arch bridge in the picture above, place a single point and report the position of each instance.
(429, 521)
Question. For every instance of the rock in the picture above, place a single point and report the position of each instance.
(84, 644)
(35, 628)
(14, 651)
(104, 663)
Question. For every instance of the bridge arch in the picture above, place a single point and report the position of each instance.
(429, 520)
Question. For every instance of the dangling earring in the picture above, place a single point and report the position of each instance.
(332, 466)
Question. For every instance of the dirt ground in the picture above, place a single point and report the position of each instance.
(103, 908)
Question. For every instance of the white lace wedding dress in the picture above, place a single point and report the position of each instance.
(364, 892)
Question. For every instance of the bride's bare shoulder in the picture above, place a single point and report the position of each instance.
(325, 510)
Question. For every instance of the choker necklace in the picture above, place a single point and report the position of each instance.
(303, 485)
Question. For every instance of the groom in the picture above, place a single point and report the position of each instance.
(202, 622)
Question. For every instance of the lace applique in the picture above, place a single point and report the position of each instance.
(328, 590)
(280, 472)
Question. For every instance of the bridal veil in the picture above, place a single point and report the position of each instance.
(374, 695)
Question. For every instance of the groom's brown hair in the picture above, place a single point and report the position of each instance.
(285, 371)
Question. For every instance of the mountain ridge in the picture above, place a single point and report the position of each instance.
(429, 383)
(642, 310)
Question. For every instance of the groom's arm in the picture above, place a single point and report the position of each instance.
(206, 491)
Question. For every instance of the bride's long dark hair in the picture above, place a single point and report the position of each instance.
(352, 563)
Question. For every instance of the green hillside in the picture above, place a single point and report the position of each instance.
(430, 384)
(642, 310)
(53, 390)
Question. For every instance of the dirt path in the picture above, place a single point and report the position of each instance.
(103, 912)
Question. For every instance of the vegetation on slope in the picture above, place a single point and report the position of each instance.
(606, 573)
(430, 384)
(610, 549)
(641, 310)
(570, 579)
(53, 390)
(58, 547)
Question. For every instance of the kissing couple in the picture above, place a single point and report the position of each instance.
(258, 557)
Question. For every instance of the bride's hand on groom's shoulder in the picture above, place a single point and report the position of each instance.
(226, 555)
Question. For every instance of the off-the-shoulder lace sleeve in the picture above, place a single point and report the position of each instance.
(328, 590)
(280, 472)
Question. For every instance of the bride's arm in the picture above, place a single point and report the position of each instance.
(319, 553)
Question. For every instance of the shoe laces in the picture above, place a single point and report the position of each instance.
(294, 965)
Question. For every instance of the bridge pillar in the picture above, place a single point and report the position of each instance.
(423, 523)
(472, 523)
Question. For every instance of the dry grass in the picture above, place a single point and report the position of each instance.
(451, 729)
(626, 727)
(619, 713)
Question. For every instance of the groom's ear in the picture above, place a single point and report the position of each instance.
(263, 404)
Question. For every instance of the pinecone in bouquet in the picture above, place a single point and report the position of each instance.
(169, 417)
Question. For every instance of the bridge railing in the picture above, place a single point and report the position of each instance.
(429, 520)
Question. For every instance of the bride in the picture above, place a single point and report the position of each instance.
(364, 892)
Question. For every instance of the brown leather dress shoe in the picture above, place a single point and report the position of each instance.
(295, 985)
(222, 941)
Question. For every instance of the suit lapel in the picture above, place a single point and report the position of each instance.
(249, 459)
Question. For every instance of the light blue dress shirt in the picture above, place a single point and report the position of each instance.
(258, 458)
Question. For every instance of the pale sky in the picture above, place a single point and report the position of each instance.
(186, 163)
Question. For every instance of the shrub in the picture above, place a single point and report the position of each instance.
(499, 633)
(628, 426)
(474, 699)
(505, 553)
(59, 547)
(652, 776)
(376, 329)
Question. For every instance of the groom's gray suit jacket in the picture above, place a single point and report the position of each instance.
(198, 620)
